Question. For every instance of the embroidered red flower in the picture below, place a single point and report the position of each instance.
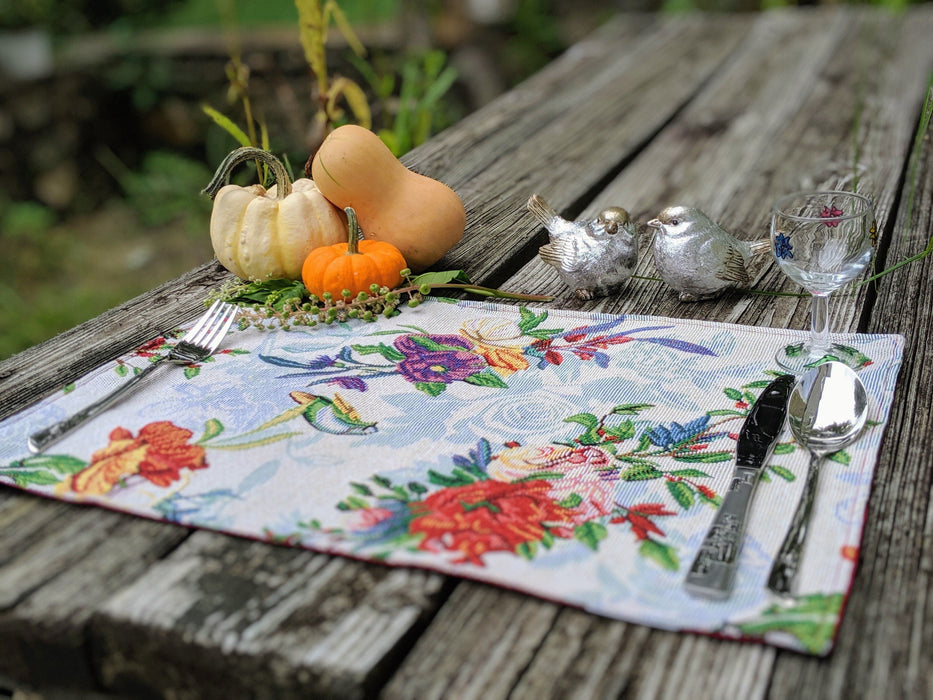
(158, 453)
(487, 516)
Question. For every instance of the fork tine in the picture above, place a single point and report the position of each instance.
(212, 318)
(220, 330)
(205, 317)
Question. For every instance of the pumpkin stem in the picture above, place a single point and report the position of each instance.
(355, 234)
(234, 158)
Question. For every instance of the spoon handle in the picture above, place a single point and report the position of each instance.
(786, 565)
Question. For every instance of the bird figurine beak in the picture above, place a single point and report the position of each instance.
(654, 223)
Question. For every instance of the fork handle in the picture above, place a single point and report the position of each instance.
(41, 440)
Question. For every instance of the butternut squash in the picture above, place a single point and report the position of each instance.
(420, 216)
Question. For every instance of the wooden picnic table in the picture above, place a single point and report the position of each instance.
(724, 112)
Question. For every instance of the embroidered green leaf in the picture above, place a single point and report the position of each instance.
(725, 412)
(431, 388)
(623, 431)
(63, 464)
(572, 501)
(192, 371)
(432, 345)
(782, 472)
(585, 419)
(784, 448)
(527, 550)
(733, 394)
(644, 442)
(689, 473)
(487, 378)
(662, 554)
(641, 471)
(212, 428)
(381, 481)
(68, 388)
(842, 457)
(387, 351)
(415, 487)
(631, 409)
(443, 480)
(355, 502)
(121, 370)
(682, 493)
(811, 619)
(547, 539)
(704, 457)
(760, 384)
(590, 533)
(361, 489)
(714, 500)
(35, 478)
(528, 320)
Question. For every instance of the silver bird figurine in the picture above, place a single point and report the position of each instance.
(594, 257)
(697, 257)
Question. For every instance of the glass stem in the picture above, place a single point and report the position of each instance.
(819, 326)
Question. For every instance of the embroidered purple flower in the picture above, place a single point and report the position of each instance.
(437, 358)
(830, 213)
(782, 247)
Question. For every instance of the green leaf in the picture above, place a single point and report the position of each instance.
(68, 388)
(212, 428)
(63, 464)
(443, 480)
(641, 471)
(121, 370)
(631, 409)
(356, 502)
(387, 351)
(487, 378)
(760, 384)
(227, 125)
(191, 372)
(841, 457)
(361, 489)
(782, 472)
(724, 412)
(690, 473)
(431, 388)
(432, 345)
(590, 533)
(662, 554)
(587, 420)
(704, 457)
(623, 431)
(441, 277)
(527, 550)
(733, 394)
(682, 493)
(572, 501)
(33, 478)
(784, 448)
(529, 320)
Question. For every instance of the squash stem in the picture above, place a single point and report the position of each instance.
(353, 232)
(234, 158)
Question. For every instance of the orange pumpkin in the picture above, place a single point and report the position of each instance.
(354, 265)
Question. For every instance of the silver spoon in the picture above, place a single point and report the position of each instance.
(826, 412)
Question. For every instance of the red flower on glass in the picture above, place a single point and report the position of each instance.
(487, 516)
(830, 213)
(158, 453)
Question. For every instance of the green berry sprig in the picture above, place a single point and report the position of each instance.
(287, 304)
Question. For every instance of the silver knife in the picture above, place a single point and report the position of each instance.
(714, 567)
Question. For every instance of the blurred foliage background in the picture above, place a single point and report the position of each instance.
(105, 145)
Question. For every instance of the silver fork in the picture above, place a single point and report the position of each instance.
(199, 342)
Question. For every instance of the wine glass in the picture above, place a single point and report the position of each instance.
(821, 240)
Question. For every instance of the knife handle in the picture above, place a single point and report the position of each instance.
(714, 567)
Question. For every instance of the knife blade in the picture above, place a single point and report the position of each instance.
(713, 569)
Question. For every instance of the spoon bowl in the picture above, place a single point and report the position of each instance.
(826, 412)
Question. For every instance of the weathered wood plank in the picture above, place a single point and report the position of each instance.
(254, 620)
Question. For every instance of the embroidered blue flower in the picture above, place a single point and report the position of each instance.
(675, 434)
(782, 247)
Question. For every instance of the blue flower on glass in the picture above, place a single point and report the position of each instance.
(782, 247)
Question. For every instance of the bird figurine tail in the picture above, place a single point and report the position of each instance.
(540, 209)
(760, 246)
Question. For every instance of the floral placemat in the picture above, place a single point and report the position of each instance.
(577, 457)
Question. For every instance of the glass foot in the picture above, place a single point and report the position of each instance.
(797, 358)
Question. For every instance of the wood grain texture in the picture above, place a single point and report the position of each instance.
(721, 112)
